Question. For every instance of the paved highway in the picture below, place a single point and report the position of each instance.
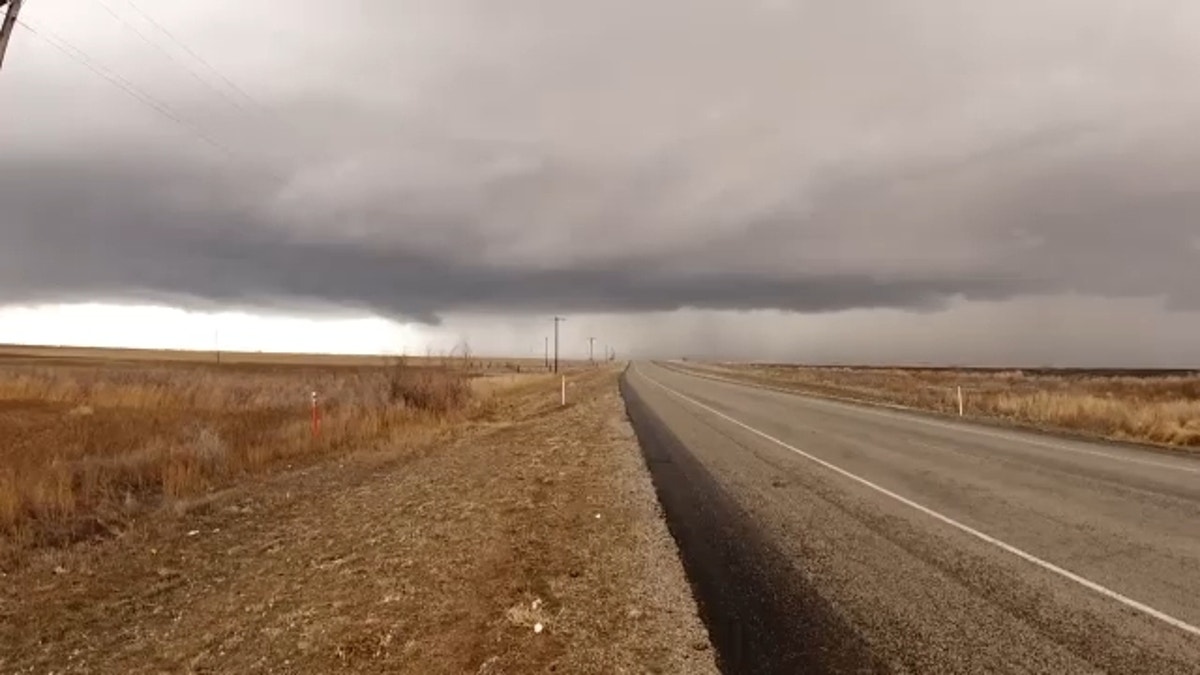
(829, 537)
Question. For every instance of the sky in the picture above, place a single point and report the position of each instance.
(844, 181)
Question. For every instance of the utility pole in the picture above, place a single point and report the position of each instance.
(557, 319)
(547, 352)
(591, 350)
(6, 28)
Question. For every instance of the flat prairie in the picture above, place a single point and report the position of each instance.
(67, 355)
(93, 436)
(90, 440)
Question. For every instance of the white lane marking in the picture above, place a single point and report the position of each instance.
(1028, 557)
(870, 408)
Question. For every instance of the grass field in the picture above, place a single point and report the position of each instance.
(93, 437)
(1148, 406)
(68, 355)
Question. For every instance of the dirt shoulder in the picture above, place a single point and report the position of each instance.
(441, 558)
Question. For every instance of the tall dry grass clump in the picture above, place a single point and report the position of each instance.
(1165, 422)
(435, 391)
(84, 446)
(1154, 408)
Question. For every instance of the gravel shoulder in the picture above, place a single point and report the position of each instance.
(441, 557)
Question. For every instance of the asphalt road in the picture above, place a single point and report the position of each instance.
(829, 537)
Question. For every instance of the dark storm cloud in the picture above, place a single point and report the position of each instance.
(145, 237)
(618, 157)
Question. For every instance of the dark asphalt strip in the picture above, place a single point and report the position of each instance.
(761, 616)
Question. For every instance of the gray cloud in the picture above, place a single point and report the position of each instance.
(161, 238)
(420, 158)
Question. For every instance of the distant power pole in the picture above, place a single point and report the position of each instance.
(6, 28)
(547, 352)
(591, 350)
(557, 319)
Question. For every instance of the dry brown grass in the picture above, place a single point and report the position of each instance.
(1145, 407)
(88, 444)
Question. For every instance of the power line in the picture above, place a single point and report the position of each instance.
(191, 71)
(204, 62)
(264, 111)
(79, 56)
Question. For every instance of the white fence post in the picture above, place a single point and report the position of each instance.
(564, 390)
(960, 401)
(316, 416)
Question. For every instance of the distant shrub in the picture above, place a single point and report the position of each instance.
(434, 390)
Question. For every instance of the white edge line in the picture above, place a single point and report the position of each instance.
(1028, 557)
(913, 416)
